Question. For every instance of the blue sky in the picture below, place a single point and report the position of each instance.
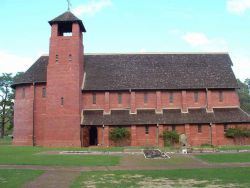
(138, 26)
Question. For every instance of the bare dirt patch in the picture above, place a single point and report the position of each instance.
(142, 181)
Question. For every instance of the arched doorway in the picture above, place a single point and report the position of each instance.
(93, 136)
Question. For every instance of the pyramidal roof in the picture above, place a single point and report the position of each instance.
(68, 17)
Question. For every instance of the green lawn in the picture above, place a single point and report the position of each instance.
(226, 177)
(226, 157)
(226, 148)
(17, 178)
(29, 156)
(5, 141)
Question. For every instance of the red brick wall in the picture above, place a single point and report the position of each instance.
(222, 140)
(197, 138)
(176, 100)
(23, 116)
(64, 79)
(201, 103)
(180, 100)
(139, 100)
(143, 139)
(113, 99)
(87, 99)
(40, 114)
(230, 98)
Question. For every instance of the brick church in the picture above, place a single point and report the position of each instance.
(69, 98)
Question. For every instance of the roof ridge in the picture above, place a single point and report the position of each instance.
(156, 53)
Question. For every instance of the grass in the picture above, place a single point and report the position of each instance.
(227, 177)
(29, 156)
(5, 141)
(17, 178)
(226, 157)
(226, 148)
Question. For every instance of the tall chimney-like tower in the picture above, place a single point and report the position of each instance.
(64, 79)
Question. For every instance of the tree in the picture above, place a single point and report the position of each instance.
(6, 101)
(244, 95)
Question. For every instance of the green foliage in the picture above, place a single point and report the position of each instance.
(170, 137)
(244, 95)
(6, 103)
(119, 134)
(237, 133)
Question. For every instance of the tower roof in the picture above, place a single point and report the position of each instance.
(68, 17)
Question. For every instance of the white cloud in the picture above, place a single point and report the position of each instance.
(195, 39)
(238, 6)
(201, 42)
(92, 7)
(11, 63)
(241, 66)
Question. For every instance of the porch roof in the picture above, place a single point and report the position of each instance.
(170, 116)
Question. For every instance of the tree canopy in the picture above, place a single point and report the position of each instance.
(244, 95)
(6, 102)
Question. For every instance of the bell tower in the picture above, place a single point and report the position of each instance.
(64, 79)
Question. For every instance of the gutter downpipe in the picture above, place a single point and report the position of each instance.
(211, 134)
(206, 98)
(33, 116)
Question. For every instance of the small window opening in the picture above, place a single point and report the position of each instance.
(145, 98)
(57, 58)
(196, 96)
(199, 128)
(44, 92)
(70, 57)
(173, 128)
(221, 98)
(119, 98)
(94, 98)
(23, 93)
(146, 129)
(171, 97)
(62, 101)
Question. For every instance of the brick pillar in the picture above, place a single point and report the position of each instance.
(106, 136)
(158, 102)
(133, 135)
(187, 133)
(132, 103)
(106, 105)
(213, 135)
(209, 101)
(184, 101)
(160, 138)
